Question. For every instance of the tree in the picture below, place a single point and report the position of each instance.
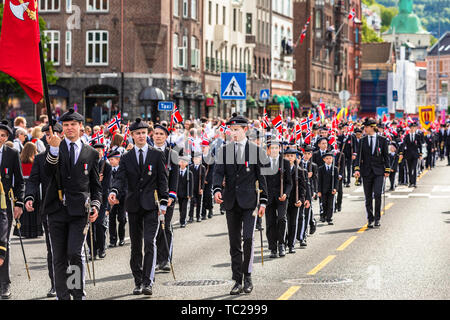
(10, 86)
(368, 34)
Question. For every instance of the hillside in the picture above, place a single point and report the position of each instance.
(428, 12)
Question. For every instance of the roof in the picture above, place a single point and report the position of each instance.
(444, 46)
(377, 52)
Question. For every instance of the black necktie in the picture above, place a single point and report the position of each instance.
(141, 159)
(72, 154)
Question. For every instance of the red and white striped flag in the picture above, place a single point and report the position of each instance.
(352, 14)
(265, 120)
(278, 123)
(305, 30)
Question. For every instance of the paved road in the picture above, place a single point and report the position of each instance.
(407, 258)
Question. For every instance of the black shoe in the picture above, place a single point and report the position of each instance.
(370, 224)
(210, 215)
(203, 217)
(183, 225)
(121, 243)
(303, 243)
(391, 189)
(112, 245)
(273, 254)
(147, 290)
(191, 220)
(157, 267)
(248, 285)
(102, 254)
(312, 228)
(5, 291)
(339, 209)
(51, 293)
(199, 220)
(414, 185)
(281, 251)
(377, 223)
(330, 223)
(222, 212)
(322, 219)
(347, 185)
(164, 267)
(291, 250)
(237, 289)
(137, 290)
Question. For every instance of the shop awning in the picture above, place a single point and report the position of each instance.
(151, 94)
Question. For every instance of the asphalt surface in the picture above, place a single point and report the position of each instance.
(408, 257)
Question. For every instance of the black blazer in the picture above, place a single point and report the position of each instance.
(315, 177)
(378, 163)
(317, 158)
(325, 180)
(106, 182)
(239, 183)
(3, 234)
(174, 171)
(182, 190)
(76, 184)
(393, 161)
(140, 186)
(274, 181)
(11, 163)
(36, 179)
(199, 177)
(301, 186)
(412, 149)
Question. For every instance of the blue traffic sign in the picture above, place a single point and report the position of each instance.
(165, 106)
(233, 86)
(264, 94)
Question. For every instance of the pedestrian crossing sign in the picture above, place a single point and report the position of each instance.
(233, 86)
(264, 94)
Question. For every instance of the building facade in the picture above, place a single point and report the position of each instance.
(438, 73)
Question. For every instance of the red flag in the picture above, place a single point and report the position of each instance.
(265, 120)
(19, 46)
(385, 119)
(305, 30)
(278, 123)
(352, 14)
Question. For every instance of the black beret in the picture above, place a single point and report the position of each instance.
(414, 124)
(113, 154)
(138, 124)
(71, 115)
(315, 126)
(326, 154)
(237, 120)
(308, 148)
(273, 140)
(99, 146)
(358, 130)
(320, 140)
(56, 127)
(370, 123)
(290, 151)
(163, 128)
(4, 126)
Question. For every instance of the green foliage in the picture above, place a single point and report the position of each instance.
(368, 34)
(433, 40)
(8, 85)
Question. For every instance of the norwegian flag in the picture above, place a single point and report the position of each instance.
(409, 121)
(191, 142)
(176, 116)
(224, 128)
(308, 136)
(305, 30)
(278, 123)
(332, 142)
(352, 14)
(115, 123)
(307, 122)
(265, 120)
(334, 124)
(126, 133)
(98, 137)
(351, 129)
(298, 132)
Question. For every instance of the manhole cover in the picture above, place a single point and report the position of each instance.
(197, 283)
(318, 281)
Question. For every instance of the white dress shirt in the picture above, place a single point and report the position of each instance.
(144, 149)
(54, 151)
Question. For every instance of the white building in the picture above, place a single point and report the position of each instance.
(227, 25)
(282, 69)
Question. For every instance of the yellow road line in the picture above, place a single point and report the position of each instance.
(289, 293)
(422, 174)
(362, 229)
(346, 243)
(321, 265)
(388, 206)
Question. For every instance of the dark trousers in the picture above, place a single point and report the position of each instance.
(117, 214)
(195, 202)
(276, 223)
(348, 170)
(241, 224)
(67, 238)
(207, 200)
(144, 226)
(98, 232)
(4, 269)
(412, 169)
(340, 194)
(302, 222)
(182, 203)
(162, 254)
(294, 214)
(328, 206)
(392, 179)
(49, 250)
(429, 160)
(403, 172)
(373, 188)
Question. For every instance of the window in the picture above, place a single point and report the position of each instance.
(234, 19)
(248, 26)
(68, 48)
(69, 6)
(176, 8)
(194, 9)
(49, 5)
(53, 46)
(175, 50)
(209, 12)
(357, 35)
(356, 62)
(195, 53)
(97, 48)
(97, 5)
(182, 53)
(224, 15)
(185, 8)
(217, 14)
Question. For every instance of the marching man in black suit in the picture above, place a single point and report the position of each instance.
(372, 164)
(11, 178)
(393, 163)
(35, 189)
(73, 169)
(276, 203)
(142, 170)
(327, 186)
(412, 151)
(239, 162)
(185, 188)
(198, 171)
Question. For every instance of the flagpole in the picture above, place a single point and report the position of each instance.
(45, 86)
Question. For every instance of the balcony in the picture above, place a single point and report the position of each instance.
(250, 39)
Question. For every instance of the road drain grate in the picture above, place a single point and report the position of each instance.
(197, 283)
(318, 281)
